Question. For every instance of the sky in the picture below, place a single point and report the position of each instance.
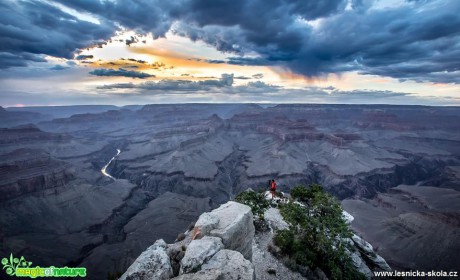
(120, 52)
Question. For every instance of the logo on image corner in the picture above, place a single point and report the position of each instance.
(20, 267)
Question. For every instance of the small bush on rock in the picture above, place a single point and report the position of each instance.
(256, 201)
(317, 234)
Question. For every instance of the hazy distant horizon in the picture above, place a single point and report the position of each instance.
(265, 105)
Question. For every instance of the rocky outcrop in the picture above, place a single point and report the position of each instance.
(209, 274)
(153, 263)
(235, 227)
(364, 258)
(274, 219)
(207, 222)
(200, 251)
(218, 247)
(367, 251)
(225, 265)
(360, 264)
(232, 264)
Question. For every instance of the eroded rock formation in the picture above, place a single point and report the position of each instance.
(218, 247)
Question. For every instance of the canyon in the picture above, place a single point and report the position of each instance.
(396, 169)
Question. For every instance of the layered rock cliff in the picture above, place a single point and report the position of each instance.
(26, 171)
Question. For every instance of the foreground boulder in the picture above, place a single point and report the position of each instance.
(235, 227)
(218, 247)
(200, 251)
(207, 222)
(210, 274)
(225, 265)
(232, 264)
(153, 263)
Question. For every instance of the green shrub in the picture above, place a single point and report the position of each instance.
(304, 194)
(317, 232)
(256, 201)
(285, 240)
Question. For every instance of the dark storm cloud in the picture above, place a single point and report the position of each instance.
(417, 40)
(242, 78)
(143, 16)
(8, 59)
(226, 80)
(29, 29)
(121, 73)
(137, 60)
(83, 57)
(402, 43)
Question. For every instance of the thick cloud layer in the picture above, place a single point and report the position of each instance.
(120, 73)
(31, 29)
(226, 80)
(252, 91)
(415, 40)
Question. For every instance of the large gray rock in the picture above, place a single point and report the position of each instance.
(368, 253)
(274, 219)
(152, 264)
(235, 227)
(207, 222)
(200, 251)
(360, 264)
(210, 274)
(232, 264)
(347, 216)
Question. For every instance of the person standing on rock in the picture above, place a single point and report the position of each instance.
(273, 188)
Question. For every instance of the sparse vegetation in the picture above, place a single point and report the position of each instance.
(255, 200)
(317, 233)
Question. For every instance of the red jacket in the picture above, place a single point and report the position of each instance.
(273, 186)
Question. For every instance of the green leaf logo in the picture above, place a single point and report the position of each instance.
(10, 265)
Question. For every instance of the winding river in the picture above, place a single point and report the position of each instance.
(104, 169)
